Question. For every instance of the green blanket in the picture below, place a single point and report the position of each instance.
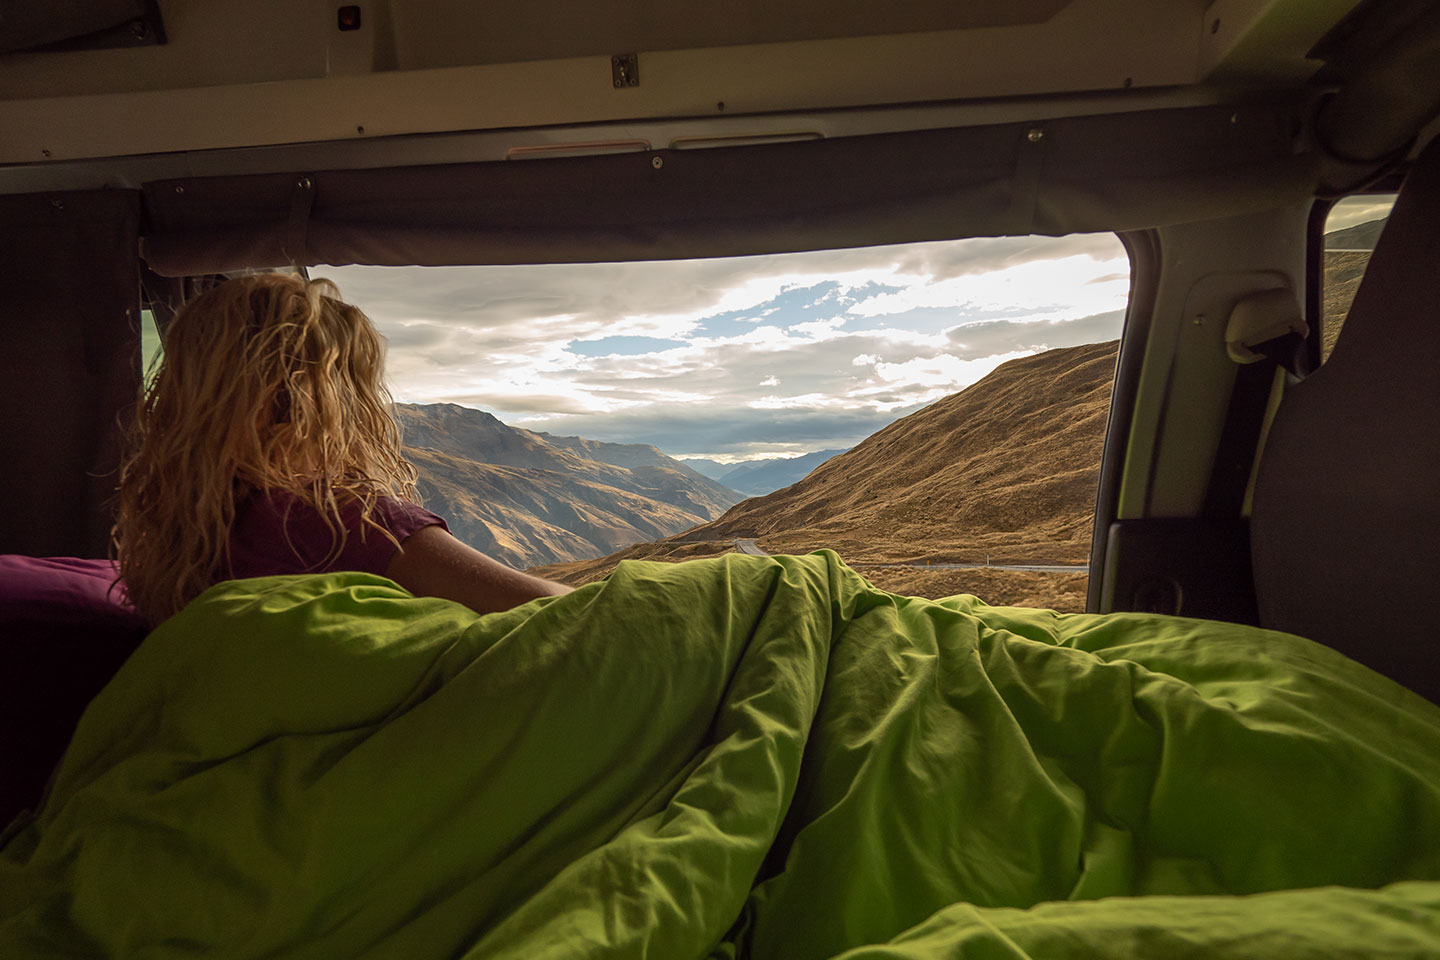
(744, 757)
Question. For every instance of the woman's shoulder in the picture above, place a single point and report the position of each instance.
(282, 531)
(293, 507)
(402, 518)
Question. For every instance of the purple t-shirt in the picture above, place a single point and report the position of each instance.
(278, 533)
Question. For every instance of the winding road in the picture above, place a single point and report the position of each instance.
(752, 548)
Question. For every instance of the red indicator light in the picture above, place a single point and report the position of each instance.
(348, 18)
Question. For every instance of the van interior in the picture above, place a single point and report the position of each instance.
(149, 147)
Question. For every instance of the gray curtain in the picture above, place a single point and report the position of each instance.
(1078, 174)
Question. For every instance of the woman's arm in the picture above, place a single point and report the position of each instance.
(432, 563)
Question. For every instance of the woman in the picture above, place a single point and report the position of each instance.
(264, 445)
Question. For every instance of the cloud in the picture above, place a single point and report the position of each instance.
(591, 300)
(1057, 288)
(986, 338)
(970, 257)
(415, 335)
(925, 379)
(1353, 211)
(610, 346)
(510, 406)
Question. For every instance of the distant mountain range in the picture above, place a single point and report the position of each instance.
(759, 477)
(713, 469)
(530, 498)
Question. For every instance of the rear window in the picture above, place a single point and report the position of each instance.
(925, 409)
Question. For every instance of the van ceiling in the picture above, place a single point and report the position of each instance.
(238, 73)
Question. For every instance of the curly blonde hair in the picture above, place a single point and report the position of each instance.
(268, 382)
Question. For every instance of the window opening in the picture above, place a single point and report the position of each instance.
(1351, 229)
(925, 409)
(151, 345)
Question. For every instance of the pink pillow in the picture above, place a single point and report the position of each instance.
(62, 589)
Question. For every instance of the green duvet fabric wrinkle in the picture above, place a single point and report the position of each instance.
(746, 757)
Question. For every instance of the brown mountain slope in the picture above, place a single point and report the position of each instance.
(1005, 468)
(531, 498)
(528, 516)
(638, 468)
(1343, 273)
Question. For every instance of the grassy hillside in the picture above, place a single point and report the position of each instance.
(1343, 272)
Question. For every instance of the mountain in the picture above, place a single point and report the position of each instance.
(637, 468)
(1006, 468)
(528, 498)
(1362, 236)
(653, 473)
(523, 516)
(713, 469)
(1344, 269)
(759, 477)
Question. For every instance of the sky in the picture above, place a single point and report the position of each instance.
(1356, 210)
(739, 358)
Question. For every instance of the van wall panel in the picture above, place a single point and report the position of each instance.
(70, 367)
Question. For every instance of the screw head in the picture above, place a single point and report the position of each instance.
(179, 189)
(657, 162)
(1035, 135)
(304, 183)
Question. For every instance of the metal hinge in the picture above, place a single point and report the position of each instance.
(625, 70)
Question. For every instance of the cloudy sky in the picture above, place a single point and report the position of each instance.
(1356, 210)
(738, 358)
